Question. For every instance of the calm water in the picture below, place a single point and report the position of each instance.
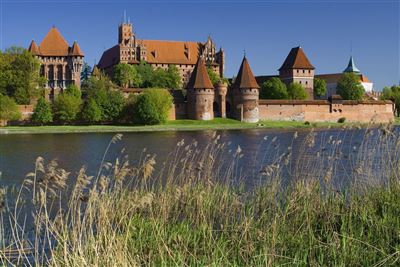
(260, 147)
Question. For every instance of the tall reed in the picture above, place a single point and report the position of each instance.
(197, 208)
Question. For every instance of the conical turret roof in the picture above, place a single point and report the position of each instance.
(351, 67)
(199, 78)
(245, 77)
(76, 50)
(54, 44)
(296, 59)
(33, 48)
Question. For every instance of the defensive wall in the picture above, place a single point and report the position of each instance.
(323, 110)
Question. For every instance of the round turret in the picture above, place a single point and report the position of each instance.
(200, 94)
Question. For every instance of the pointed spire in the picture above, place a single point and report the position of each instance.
(245, 77)
(199, 78)
(33, 48)
(351, 67)
(76, 50)
(296, 59)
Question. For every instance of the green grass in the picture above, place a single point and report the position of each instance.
(177, 125)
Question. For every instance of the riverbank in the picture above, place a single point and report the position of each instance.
(178, 125)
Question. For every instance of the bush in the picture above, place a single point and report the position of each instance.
(128, 112)
(66, 107)
(152, 106)
(42, 113)
(273, 89)
(8, 109)
(296, 91)
(91, 112)
(341, 120)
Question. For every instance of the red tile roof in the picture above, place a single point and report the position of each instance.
(54, 44)
(33, 48)
(245, 77)
(171, 52)
(199, 78)
(296, 59)
(76, 50)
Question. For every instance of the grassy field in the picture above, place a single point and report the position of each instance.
(124, 216)
(178, 125)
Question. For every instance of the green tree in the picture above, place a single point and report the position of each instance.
(146, 74)
(349, 87)
(113, 106)
(86, 72)
(273, 89)
(74, 91)
(126, 75)
(393, 94)
(91, 112)
(296, 91)
(152, 106)
(19, 75)
(8, 109)
(319, 87)
(128, 111)
(173, 78)
(66, 107)
(42, 113)
(214, 77)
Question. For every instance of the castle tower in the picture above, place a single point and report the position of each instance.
(219, 105)
(61, 64)
(200, 93)
(245, 94)
(297, 69)
(126, 42)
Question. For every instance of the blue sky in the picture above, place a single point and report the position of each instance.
(265, 29)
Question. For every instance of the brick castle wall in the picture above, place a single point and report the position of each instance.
(319, 111)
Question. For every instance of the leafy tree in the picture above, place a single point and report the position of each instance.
(8, 109)
(349, 87)
(42, 113)
(112, 108)
(173, 78)
(296, 91)
(74, 91)
(19, 75)
(152, 106)
(274, 89)
(128, 111)
(145, 72)
(91, 112)
(214, 77)
(319, 87)
(86, 72)
(66, 107)
(393, 94)
(126, 75)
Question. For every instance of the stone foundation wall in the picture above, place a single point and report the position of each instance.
(319, 111)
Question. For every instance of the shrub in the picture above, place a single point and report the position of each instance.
(8, 109)
(152, 106)
(341, 120)
(91, 112)
(126, 75)
(42, 113)
(128, 112)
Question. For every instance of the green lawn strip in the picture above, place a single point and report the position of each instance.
(177, 125)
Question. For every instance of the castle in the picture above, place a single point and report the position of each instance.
(161, 54)
(61, 64)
